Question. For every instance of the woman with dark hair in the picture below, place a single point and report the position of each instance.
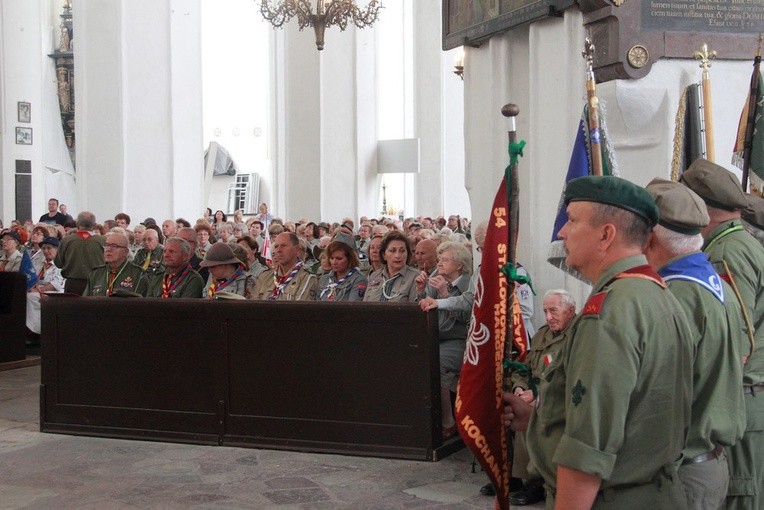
(254, 261)
(396, 280)
(33, 247)
(311, 234)
(203, 234)
(344, 282)
(220, 217)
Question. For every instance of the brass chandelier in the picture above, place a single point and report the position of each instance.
(327, 13)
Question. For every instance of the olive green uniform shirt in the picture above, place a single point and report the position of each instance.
(745, 258)
(155, 266)
(403, 288)
(192, 286)
(129, 277)
(616, 401)
(301, 288)
(545, 343)
(718, 410)
(77, 257)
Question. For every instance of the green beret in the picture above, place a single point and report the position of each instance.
(754, 213)
(681, 209)
(607, 189)
(717, 186)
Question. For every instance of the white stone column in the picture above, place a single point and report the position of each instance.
(139, 108)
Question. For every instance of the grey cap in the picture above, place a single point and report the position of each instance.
(342, 237)
(219, 254)
(717, 186)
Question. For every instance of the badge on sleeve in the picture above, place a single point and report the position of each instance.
(594, 305)
(578, 393)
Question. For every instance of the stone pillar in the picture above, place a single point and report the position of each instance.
(139, 108)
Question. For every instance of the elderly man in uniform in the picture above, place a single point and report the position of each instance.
(287, 280)
(188, 234)
(80, 253)
(559, 311)
(149, 257)
(179, 279)
(117, 275)
(739, 259)
(718, 419)
(614, 407)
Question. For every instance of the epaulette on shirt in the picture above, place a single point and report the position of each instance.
(594, 304)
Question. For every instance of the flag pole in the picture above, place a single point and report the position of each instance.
(705, 58)
(593, 109)
(752, 107)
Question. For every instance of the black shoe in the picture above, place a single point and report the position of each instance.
(529, 495)
(516, 484)
(487, 490)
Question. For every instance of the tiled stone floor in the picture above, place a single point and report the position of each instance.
(60, 472)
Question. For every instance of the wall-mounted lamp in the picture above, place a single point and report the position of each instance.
(459, 63)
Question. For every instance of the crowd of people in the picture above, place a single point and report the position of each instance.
(651, 395)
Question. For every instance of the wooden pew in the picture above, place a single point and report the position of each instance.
(350, 378)
(13, 316)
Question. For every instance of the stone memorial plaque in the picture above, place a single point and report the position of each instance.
(471, 22)
(630, 36)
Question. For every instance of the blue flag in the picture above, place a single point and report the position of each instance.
(27, 269)
(580, 165)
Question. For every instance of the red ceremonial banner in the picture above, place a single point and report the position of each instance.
(478, 398)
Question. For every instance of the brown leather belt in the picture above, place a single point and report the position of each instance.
(753, 389)
(703, 457)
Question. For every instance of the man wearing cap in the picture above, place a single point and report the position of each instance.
(718, 334)
(614, 407)
(739, 259)
(179, 279)
(49, 279)
(227, 273)
(118, 275)
(287, 280)
(79, 253)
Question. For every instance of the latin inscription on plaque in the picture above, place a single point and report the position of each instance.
(703, 15)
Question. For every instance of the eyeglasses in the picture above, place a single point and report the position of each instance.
(113, 246)
(446, 259)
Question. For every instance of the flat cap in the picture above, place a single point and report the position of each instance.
(219, 254)
(611, 190)
(342, 237)
(717, 186)
(754, 213)
(680, 208)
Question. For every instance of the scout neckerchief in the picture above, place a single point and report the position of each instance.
(387, 286)
(170, 282)
(332, 286)
(220, 285)
(280, 283)
(723, 233)
(695, 268)
(147, 261)
(112, 276)
(84, 234)
(45, 266)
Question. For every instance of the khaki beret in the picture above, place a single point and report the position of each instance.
(717, 186)
(680, 208)
(754, 213)
(219, 254)
(607, 189)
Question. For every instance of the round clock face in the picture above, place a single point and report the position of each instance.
(638, 56)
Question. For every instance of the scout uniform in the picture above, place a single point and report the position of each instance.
(238, 282)
(129, 278)
(297, 285)
(350, 287)
(719, 337)
(78, 254)
(150, 262)
(616, 402)
(400, 287)
(186, 284)
(744, 257)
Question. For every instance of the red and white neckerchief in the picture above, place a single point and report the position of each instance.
(220, 285)
(280, 283)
